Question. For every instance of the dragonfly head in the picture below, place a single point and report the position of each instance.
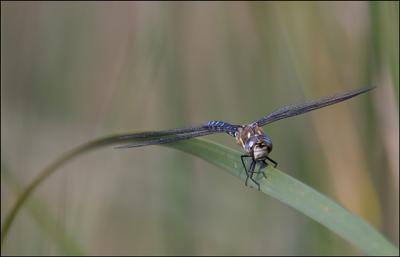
(259, 145)
(254, 141)
(262, 148)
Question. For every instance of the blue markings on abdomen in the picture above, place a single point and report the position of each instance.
(216, 124)
(221, 126)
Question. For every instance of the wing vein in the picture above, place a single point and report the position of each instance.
(293, 110)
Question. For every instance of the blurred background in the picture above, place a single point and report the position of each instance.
(71, 72)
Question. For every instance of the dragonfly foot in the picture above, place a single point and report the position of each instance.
(274, 162)
(255, 182)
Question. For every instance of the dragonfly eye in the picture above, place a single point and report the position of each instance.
(269, 147)
(266, 141)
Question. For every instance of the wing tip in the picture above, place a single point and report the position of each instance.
(362, 90)
(369, 88)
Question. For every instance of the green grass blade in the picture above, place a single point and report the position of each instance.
(276, 184)
(299, 196)
(45, 218)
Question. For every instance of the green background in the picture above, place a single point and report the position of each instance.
(71, 72)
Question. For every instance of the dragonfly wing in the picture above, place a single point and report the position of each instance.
(169, 132)
(293, 110)
(166, 139)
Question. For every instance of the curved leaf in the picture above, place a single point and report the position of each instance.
(276, 184)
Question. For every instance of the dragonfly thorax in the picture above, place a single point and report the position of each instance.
(254, 141)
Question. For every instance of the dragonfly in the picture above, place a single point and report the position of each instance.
(255, 143)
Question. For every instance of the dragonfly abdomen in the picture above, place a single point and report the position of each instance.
(221, 126)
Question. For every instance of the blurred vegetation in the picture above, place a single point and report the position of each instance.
(71, 72)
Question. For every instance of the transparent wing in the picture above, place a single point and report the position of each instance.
(173, 135)
(162, 138)
(293, 110)
(169, 132)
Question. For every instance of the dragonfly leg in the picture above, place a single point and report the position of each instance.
(251, 173)
(244, 166)
(274, 162)
(263, 164)
(249, 170)
(242, 158)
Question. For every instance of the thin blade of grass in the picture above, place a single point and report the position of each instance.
(45, 218)
(276, 184)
